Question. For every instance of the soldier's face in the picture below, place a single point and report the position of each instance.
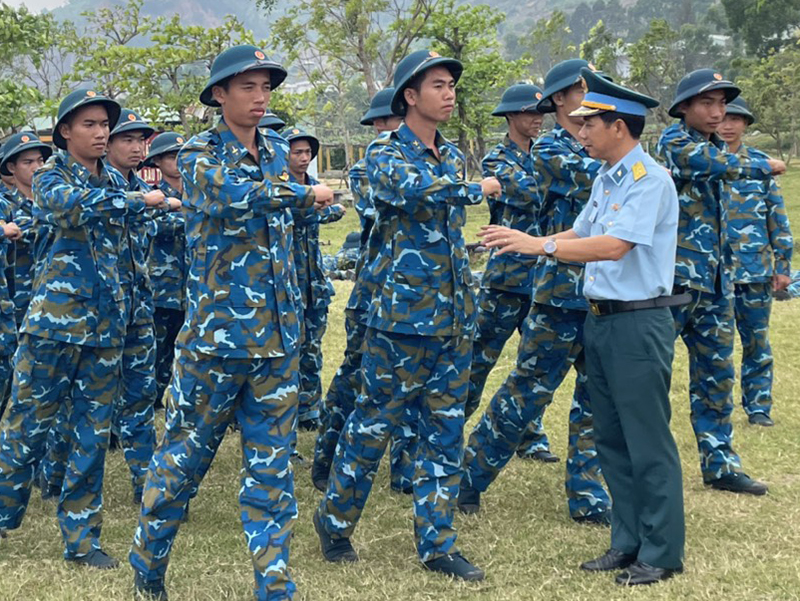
(570, 100)
(600, 140)
(168, 164)
(527, 124)
(126, 150)
(732, 128)
(705, 112)
(25, 166)
(87, 132)
(436, 98)
(246, 98)
(388, 124)
(300, 157)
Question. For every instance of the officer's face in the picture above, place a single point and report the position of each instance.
(168, 164)
(526, 124)
(705, 112)
(436, 98)
(126, 150)
(299, 156)
(87, 132)
(389, 124)
(732, 128)
(246, 99)
(25, 166)
(569, 101)
(601, 140)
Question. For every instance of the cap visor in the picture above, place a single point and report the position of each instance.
(585, 111)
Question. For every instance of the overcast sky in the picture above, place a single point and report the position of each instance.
(36, 5)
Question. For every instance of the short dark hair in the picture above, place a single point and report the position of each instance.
(634, 123)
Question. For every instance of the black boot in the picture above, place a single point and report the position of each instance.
(96, 558)
(469, 500)
(148, 590)
(337, 550)
(454, 564)
(319, 475)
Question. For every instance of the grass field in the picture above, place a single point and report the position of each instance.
(737, 547)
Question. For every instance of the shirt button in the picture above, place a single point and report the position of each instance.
(591, 278)
(610, 223)
(608, 192)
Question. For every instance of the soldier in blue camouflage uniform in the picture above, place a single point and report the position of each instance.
(507, 284)
(271, 121)
(23, 154)
(347, 382)
(71, 340)
(316, 289)
(417, 349)
(9, 233)
(761, 241)
(236, 355)
(552, 334)
(167, 259)
(702, 169)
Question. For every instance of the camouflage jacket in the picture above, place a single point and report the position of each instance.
(24, 264)
(421, 274)
(136, 272)
(241, 290)
(78, 296)
(517, 207)
(8, 324)
(316, 289)
(167, 262)
(758, 228)
(361, 296)
(702, 170)
(566, 173)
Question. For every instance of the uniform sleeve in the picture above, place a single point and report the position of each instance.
(780, 233)
(169, 222)
(330, 214)
(636, 220)
(563, 174)
(520, 189)
(397, 182)
(58, 202)
(689, 159)
(219, 191)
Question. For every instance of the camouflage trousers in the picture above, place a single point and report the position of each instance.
(500, 313)
(706, 326)
(6, 374)
(168, 323)
(752, 307)
(552, 341)
(86, 379)
(339, 404)
(207, 394)
(133, 419)
(431, 375)
(315, 322)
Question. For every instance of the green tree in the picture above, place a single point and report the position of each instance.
(549, 43)
(765, 25)
(603, 49)
(468, 33)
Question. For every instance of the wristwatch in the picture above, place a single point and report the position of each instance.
(550, 247)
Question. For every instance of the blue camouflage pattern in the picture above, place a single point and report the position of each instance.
(24, 252)
(8, 326)
(752, 308)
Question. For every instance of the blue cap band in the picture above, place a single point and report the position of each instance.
(612, 103)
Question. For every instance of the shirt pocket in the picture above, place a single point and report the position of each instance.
(412, 293)
(72, 269)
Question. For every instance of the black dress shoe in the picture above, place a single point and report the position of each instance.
(319, 475)
(761, 419)
(543, 456)
(595, 519)
(741, 483)
(469, 500)
(454, 564)
(337, 550)
(643, 573)
(610, 560)
(148, 590)
(96, 558)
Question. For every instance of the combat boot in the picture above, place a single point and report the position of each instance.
(337, 550)
(469, 500)
(454, 564)
(96, 558)
(319, 475)
(148, 590)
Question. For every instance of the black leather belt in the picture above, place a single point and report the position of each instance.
(609, 307)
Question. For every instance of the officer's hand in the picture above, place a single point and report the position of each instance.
(12, 231)
(780, 282)
(778, 167)
(174, 204)
(507, 240)
(490, 186)
(154, 198)
(323, 196)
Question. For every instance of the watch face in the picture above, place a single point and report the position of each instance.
(550, 247)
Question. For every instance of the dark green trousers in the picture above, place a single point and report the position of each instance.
(629, 365)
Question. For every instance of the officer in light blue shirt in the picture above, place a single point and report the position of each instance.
(627, 236)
